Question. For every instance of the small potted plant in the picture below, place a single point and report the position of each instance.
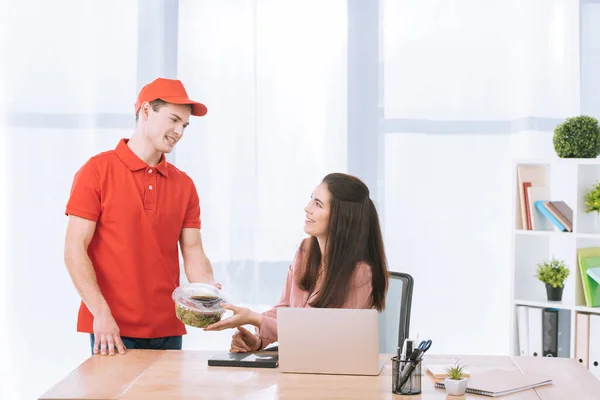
(553, 273)
(577, 137)
(456, 383)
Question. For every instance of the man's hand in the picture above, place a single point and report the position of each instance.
(241, 316)
(106, 335)
(106, 332)
(244, 340)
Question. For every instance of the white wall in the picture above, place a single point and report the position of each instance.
(448, 223)
(447, 196)
(5, 350)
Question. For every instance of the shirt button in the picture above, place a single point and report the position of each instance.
(150, 171)
(150, 187)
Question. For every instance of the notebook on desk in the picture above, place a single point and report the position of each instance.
(439, 370)
(252, 360)
(499, 383)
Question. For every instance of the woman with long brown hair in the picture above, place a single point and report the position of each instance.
(341, 265)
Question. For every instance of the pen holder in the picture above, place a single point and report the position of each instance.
(410, 372)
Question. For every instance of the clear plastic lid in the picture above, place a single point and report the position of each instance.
(198, 304)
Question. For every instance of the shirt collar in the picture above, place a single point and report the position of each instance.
(134, 163)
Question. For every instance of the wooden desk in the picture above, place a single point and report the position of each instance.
(172, 375)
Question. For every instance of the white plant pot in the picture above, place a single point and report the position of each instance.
(454, 387)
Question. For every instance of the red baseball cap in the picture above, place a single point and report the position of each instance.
(171, 91)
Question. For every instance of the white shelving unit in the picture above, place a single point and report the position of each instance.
(568, 180)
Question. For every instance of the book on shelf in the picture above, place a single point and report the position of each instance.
(536, 209)
(528, 176)
(539, 222)
(562, 212)
(526, 186)
(540, 205)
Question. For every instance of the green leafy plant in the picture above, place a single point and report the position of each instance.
(592, 199)
(197, 318)
(553, 272)
(577, 137)
(456, 372)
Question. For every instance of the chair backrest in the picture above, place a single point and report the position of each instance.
(394, 321)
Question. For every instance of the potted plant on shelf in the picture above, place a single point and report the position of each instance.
(592, 201)
(577, 137)
(553, 273)
(456, 383)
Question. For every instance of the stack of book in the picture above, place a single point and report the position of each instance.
(537, 211)
(556, 212)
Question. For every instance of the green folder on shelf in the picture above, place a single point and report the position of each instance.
(589, 267)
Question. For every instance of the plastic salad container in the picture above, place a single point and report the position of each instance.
(198, 304)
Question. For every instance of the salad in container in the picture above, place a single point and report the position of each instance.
(198, 304)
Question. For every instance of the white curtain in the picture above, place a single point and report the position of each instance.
(6, 387)
(276, 125)
(276, 94)
(69, 90)
(480, 60)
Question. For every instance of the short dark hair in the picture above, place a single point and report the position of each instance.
(155, 104)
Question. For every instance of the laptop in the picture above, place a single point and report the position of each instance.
(328, 341)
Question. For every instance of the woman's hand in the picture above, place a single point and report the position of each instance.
(241, 316)
(244, 340)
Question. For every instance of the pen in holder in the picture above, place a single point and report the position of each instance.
(406, 376)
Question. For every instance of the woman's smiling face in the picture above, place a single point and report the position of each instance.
(317, 212)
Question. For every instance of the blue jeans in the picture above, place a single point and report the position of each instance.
(163, 343)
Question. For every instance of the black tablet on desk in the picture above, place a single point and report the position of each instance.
(252, 360)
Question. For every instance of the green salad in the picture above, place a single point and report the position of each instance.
(198, 304)
(197, 319)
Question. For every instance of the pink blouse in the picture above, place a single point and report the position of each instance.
(359, 296)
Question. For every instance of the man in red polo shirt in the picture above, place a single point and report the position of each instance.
(129, 209)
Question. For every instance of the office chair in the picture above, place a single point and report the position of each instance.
(394, 321)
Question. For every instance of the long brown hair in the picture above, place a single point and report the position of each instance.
(353, 235)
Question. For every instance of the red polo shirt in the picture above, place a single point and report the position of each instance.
(139, 212)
